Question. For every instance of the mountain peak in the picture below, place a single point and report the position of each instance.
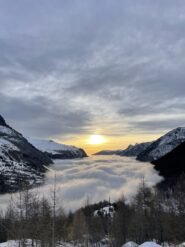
(2, 121)
(178, 129)
(130, 146)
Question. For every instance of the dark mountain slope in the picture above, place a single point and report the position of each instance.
(172, 164)
(20, 162)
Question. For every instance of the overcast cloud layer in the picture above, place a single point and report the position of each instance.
(71, 67)
(95, 178)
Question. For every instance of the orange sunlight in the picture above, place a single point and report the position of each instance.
(96, 142)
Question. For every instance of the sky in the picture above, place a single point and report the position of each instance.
(71, 69)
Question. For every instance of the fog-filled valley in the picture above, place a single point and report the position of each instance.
(95, 177)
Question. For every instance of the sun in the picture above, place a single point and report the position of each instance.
(96, 140)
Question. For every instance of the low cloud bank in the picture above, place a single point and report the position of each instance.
(96, 178)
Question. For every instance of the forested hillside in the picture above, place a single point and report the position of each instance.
(152, 214)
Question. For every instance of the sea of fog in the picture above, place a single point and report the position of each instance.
(96, 178)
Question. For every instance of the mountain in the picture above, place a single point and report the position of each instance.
(20, 162)
(134, 150)
(163, 145)
(172, 164)
(108, 152)
(56, 150)
(131, 150)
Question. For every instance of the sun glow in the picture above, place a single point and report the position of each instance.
(96, 140)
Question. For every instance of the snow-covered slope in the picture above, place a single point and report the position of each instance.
(163, 145)
(130, 244)
(107, 211)
(20, 162)
(56, 150)
(149, 244)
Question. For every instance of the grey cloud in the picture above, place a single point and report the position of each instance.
(40, 118)
(159, 125)
(86, 57)
(140, 107)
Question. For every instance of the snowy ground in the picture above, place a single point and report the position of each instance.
(129, 244)
(28, 243)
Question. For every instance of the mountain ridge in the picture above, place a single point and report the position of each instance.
(163, 145)
(130, 151)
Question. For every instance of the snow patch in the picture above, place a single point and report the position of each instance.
(107, 211)
(149, 244)
(130, 244)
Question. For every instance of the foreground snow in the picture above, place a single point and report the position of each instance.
(13, 243)
(149, 244)
(130, 244)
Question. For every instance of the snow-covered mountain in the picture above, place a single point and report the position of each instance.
(20, 162)
(130, 151)
(163, 145)
(134, 150)
(56, 150)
